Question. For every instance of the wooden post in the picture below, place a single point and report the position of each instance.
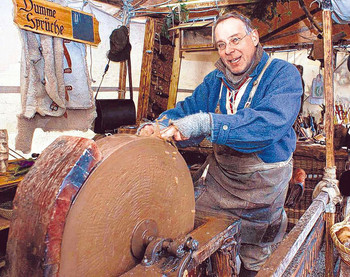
(131, 89)
(329, 122)
(174, 81)
(328, 87)
(122, 79)
(146, 68)
(329, 261)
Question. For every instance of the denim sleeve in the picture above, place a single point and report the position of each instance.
(201, 100)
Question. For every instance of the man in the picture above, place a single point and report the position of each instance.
(252, 135)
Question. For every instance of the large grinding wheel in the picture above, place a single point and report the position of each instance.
(76, 211)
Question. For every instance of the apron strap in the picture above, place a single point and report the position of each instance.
(217, 109)
(256, 83)
(222, 85)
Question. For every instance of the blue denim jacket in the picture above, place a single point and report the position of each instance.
(265, 128)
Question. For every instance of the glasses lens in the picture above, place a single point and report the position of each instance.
(221, 46)
(232, 42)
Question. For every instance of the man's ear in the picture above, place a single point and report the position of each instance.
(255, 37)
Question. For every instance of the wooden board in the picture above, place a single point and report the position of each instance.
(52, 19)
(156, 72)
(306, 258)
(175, 73)
(287, 249)
(193, 5)
(218, 238)
(146, 68)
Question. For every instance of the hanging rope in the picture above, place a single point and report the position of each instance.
(104, 73)
(128, 12)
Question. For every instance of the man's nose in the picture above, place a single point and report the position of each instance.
(229, 49)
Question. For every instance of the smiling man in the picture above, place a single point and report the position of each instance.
(237, 59)
(246, 107)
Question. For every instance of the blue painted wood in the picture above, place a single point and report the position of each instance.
(83, 27)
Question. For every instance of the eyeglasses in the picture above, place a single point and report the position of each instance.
(234, 41)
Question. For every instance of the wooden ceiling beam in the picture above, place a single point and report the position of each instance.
(285, 26)
(200, 4)
(309, 16)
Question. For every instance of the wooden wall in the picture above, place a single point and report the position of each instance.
(156, 72)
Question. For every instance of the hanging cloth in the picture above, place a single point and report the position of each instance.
(341, 11)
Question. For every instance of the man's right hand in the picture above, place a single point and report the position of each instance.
(172, 132)
(147, 130)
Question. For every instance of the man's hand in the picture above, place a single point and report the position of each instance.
(193, 125)
(190, 126)
(172, 132)
(147, 130)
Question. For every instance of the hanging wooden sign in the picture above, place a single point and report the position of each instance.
(52, 19)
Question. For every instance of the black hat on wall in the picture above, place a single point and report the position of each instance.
(120, 46)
